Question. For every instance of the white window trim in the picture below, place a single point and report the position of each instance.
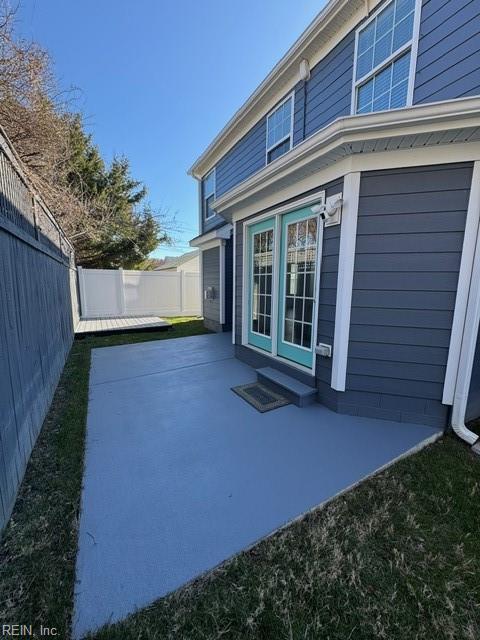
(289, 137)
(411, 45)
(204, 197)
(318, 197)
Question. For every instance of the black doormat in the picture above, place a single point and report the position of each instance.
(260, 396)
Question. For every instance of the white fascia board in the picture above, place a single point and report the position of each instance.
(435, 155)
(329, 28)
(222, 233)
(444, 116)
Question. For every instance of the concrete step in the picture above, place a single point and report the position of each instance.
(297, 392)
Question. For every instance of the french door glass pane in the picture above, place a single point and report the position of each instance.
(301, 258)
(262, 282)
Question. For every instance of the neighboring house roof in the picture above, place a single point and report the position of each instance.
(172, 262)
(328, 28)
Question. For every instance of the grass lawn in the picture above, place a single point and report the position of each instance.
(396, 558)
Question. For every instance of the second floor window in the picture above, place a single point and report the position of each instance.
(279, 129)
(208, 194)
(383, 57)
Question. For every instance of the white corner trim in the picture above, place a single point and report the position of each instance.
(465, 276)
(346, 259)
(200, 259)
(467, 351)
(234, 278)
(222, 282)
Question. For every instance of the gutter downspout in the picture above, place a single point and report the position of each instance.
(467, 351)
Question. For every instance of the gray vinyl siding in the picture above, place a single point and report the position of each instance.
(244, 159)
(329, 90)
(448, 61)
(409, 242)
(473, 404)
(211, 278)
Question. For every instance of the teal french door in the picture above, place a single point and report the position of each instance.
(297, 278)
(261, 255)
(281, 301)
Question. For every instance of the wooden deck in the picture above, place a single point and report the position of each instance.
(120, 325)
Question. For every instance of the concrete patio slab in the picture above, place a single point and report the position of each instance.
(181, 473)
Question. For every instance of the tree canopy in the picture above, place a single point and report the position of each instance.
(101, 207)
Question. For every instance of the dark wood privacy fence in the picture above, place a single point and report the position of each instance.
(38, 311)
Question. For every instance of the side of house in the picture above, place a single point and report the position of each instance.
(350, 182)
(188, 262)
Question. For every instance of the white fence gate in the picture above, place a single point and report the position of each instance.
(115, 293)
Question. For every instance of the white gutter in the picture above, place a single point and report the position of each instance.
(470, 333)
(343, 132)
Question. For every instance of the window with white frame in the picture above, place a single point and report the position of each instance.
(279, 129)
(382, 61)
(208, 194)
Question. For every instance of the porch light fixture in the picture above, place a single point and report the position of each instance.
(331, 210)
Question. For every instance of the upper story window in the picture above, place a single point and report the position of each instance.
(279, 129)
(383, 59)
(208, 194)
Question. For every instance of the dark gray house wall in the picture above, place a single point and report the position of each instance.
(211, 278)
(448, 62)
(409, 242)
(246, 158)
(36, 325)
(408, 250)
(473, 404)
(448, 67)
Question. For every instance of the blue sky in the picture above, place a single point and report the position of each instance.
(159, 79)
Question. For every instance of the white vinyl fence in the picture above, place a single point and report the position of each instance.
(115, 293)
